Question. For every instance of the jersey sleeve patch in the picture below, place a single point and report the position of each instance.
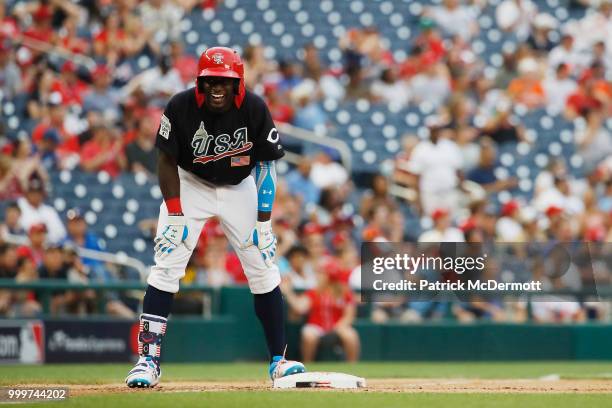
(165, 127)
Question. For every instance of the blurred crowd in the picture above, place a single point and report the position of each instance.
(69, 67)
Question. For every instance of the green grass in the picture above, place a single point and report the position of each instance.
(114, 373)
(325, 399)
(108, 373)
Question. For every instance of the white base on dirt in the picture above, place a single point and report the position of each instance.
(320, 380)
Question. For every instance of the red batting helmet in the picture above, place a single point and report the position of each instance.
(221, 62)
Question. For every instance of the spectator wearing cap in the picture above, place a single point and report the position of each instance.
(10, 77)
(35, 211)
(41, 29)
(37, 237)
(102, 97)
(47, 149)
(437, 163)
(509, 227)
(558, 86)
(141, 154)
(330, 310)
(104, 152)
(79, 236)
(527, 88)
(314, 241)
(442, 230)
(427, 47)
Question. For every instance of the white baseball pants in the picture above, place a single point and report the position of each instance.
(236, 208)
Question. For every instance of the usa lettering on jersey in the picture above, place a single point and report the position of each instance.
(204, 150)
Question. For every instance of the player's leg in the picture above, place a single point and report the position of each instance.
(164, 283)
(238, 214)
(311, 335)
(350, 342)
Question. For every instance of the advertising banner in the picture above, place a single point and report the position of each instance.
(22, 341)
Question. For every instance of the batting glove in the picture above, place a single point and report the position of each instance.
(173, 234)
(263, 237)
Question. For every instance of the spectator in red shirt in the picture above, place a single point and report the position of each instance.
(582, 101)
(69, 38)
(69, 86)
(8, 25)
(330, 309)
(41, 29)
(111, 40)
(280, 110)
(104, 152)
(37, 235)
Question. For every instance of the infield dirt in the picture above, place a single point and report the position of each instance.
(392, 385)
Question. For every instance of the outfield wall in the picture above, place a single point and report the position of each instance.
(236, 335)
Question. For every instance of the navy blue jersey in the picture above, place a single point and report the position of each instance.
(221, 148)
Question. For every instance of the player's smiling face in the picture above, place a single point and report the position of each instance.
(219, 93)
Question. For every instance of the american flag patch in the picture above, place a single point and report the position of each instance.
(240, 161)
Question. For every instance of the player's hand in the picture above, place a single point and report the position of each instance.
(172, 235)
(263, 237)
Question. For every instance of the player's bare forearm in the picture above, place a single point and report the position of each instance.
(167, 173)
(265, 177)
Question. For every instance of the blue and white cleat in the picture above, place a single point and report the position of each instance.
(282, 368)
(145, 374)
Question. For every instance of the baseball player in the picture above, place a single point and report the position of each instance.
(217, 146)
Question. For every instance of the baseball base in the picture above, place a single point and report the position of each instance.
(320, 380)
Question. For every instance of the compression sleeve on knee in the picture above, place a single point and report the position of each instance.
(265, 177)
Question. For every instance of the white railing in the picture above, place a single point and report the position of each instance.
(117, 259)
(323, 140)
